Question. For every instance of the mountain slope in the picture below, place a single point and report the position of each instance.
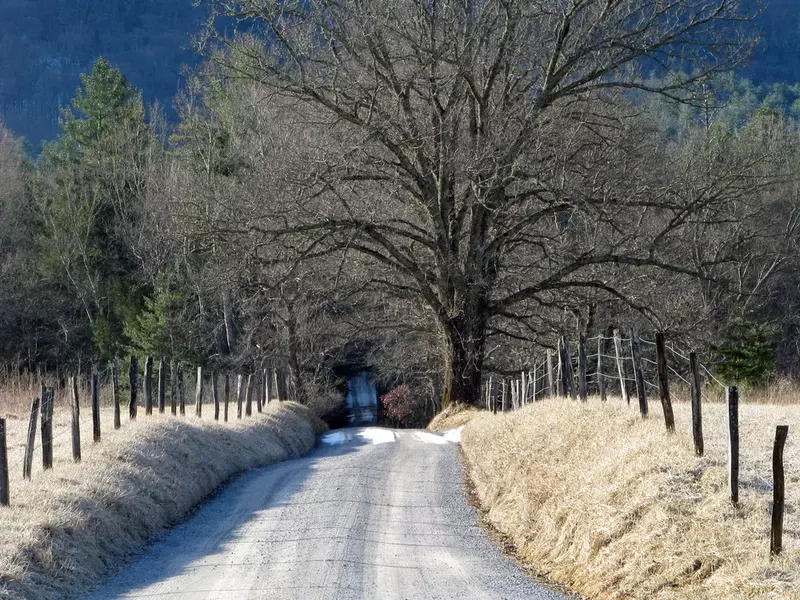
(46, 44)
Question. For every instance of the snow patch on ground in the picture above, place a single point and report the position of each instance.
(376, 435)
(373, 435)
(335, 438)
(428, 438)
(453, 435)
(380, 435)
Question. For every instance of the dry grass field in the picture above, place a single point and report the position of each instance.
(69, 527)
(453, 417)
(610, 505)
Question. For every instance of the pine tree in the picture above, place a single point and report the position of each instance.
(746, 355)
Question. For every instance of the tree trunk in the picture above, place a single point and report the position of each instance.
(227, 315)
(295, 369)
(463, 359)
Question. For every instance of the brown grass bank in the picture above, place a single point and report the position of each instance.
(453, 417)
(71, 526)
(613, 507)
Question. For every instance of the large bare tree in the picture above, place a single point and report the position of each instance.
(477, 153)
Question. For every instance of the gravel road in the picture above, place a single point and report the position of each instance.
(371, 514)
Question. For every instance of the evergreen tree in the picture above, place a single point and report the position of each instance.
(89, 183)
(746, 354)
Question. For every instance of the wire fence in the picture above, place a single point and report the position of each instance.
(639, 367)
(59, 407)
(609, 364)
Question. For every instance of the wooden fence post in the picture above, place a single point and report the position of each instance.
(583, 391)
(181, 391)
(493, 393)
(76, 420)
(697, 410)
(601, 384)
(778, 491)
(568, 374)
(5, 495)
(148, 385)
(281, 383)
(133, 376)
(95, 406)
(227, 395)
(115, 392)
(513, 393)
(621, 367)
(732, 399)
(173, 388)
(503, 386)
(533, 383)
(524, 389)
(550, 379)
(239, 395)
(27, 463)
(215, 394)
(162, 385)
(641, 391)
(561, 389)
(248, 396)
(47, 429)
(663, 383)
(257, 392)
(198, 394)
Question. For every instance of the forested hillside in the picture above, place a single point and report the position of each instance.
(46, 44)
(779, 56)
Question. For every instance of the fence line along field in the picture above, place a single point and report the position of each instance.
(613, 506)
(63, 410)
(69, 526)
(664, 485)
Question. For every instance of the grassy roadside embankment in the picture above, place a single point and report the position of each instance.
(71, 526)
(598, 500)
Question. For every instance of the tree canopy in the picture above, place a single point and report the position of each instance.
(433, 190)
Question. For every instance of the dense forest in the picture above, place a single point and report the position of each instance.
(387, 187)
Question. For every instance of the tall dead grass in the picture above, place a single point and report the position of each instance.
(71, 526)
(454, 416)
(613, 507)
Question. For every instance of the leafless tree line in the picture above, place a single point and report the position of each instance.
(431, 187)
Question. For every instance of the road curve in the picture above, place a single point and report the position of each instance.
(371, 514)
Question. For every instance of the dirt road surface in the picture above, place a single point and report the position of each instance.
(371, 514)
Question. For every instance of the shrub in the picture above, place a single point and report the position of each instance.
(406, 406)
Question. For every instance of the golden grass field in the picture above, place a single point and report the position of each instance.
(610, 505)
(70, 526)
